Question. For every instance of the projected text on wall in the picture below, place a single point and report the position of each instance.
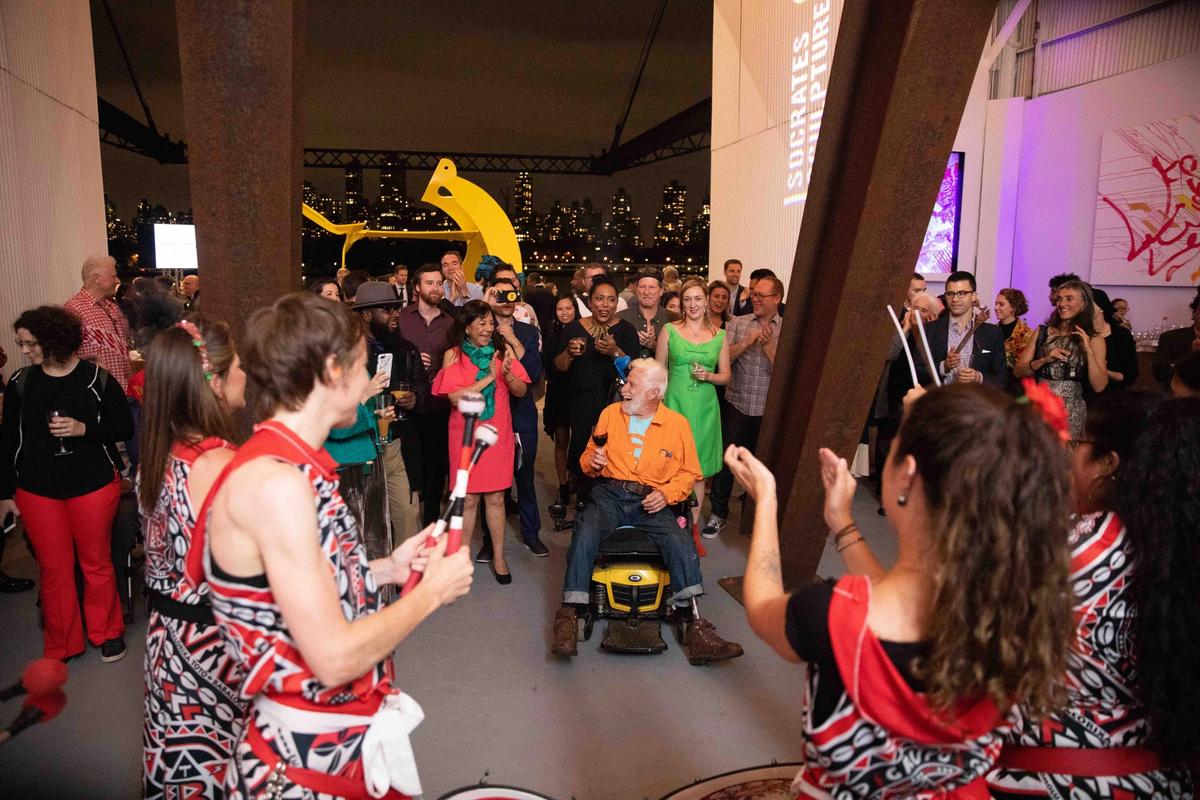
(810, 57)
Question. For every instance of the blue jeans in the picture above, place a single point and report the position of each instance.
(524, 478)
(611, 508)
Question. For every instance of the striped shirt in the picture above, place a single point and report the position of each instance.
(954, 339)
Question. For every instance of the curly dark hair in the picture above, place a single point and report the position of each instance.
(1000, 623)
(319, 285)
(1016, 299)
(58, 331)
(1158, 498)
(470, 312)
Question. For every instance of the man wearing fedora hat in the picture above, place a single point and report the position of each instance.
(380, 305)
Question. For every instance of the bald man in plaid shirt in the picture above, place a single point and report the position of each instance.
(105, 331)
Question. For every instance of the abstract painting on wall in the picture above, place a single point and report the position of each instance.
(1148, 205)
(939, 251)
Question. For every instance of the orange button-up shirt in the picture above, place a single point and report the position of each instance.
(668, 462)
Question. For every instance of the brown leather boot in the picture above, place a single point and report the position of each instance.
(565, 631)
(702, 645)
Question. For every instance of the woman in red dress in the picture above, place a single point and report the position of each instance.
(481, 361)
(913, 670)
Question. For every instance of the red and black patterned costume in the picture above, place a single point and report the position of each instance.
(193, 712)
(868, 731)
(277, 676)
(1103, 724)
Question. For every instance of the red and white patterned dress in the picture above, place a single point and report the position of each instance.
(870, 733)
(193, 712)
(258, 638)
(1102, 711)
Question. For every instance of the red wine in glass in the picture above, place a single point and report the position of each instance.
(599, 438)
(51, 415)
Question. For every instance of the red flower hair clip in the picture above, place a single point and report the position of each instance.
(1049, 406)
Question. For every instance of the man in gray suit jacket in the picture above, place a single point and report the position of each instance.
(964, 350)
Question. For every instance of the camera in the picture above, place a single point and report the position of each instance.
(506, 295)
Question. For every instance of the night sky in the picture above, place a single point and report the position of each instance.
(520, 77)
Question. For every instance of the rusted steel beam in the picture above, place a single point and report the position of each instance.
(901, 74)
(240, 62)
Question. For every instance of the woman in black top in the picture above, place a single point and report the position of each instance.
(1122, 349)
(61, 418)
(587, 351)
(555, 415)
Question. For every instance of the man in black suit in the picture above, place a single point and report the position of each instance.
(964, 350)
(1174, 345)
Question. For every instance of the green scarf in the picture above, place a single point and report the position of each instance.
(482, 358)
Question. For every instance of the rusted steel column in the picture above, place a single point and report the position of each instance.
(240, 62)
(901, 74)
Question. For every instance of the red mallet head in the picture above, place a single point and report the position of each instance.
(44, 675)
(50, 704)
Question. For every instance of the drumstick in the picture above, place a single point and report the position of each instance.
(928, 353)
(912, 367)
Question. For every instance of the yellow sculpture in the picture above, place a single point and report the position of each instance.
(483, 225)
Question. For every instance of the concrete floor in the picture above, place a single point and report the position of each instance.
(498, 707)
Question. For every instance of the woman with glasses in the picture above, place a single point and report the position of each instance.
(912, 670)
(1137, 636)
(696, 356)
(1067, 351)
(62, 419)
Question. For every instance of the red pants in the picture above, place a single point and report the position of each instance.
(61, 531)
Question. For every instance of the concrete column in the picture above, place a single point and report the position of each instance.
(240, 62)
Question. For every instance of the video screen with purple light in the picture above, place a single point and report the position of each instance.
(939, 251)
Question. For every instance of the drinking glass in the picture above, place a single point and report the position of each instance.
(382, 423)
(697, 370)
(403, 391)
(51, 415)
(600, 438)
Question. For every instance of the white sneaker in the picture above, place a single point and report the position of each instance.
(712, 528)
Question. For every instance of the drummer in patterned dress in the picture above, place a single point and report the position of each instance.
(296, 599)
(913, 671)
(193, 712)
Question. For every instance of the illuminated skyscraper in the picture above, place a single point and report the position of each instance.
(393, 196)
(624, 227)
(355, 207)
(523, 218)
(671, 224)
(700, 223)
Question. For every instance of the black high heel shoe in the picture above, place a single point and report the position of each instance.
(504, 579)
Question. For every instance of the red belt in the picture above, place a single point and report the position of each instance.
(320, 782)
(1086, 762)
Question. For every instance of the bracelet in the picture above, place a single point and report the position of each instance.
(844, 545)
(845, 530)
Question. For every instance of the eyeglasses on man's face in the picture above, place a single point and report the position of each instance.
(26, 344)
(761, 296)
(965, 293)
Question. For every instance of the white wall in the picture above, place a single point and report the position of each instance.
(1059, 169)
(51, 193)
(755, 213)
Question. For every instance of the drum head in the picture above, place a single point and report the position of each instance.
(767, 782)
(493, 792)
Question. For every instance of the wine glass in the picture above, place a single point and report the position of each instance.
(599, 437)
(51, 416)
(697, 371)
(403, 391)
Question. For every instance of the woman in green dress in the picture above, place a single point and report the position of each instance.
(696, 356)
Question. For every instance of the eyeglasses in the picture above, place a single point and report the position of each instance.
(23, 343)
(959, 295)
(761, 296)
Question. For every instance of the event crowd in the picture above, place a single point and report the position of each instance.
(1037, 635)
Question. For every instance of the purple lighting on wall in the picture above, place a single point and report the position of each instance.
(939, 251)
